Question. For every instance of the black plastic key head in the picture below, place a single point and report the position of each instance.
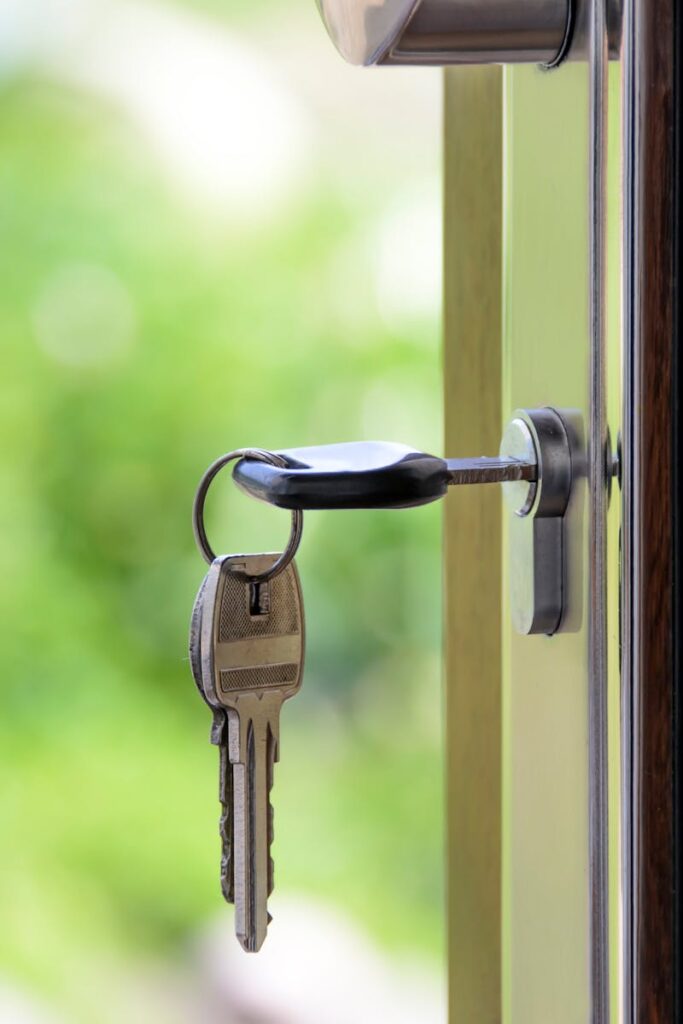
(361, 474)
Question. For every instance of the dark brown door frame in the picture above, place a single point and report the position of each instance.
(677, 315)
(652, 609)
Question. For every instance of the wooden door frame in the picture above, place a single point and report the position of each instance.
(652, 570)
(473, 200)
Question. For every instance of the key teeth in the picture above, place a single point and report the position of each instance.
(271, 863)
(225, 794)
(227, 873)
(272, 757)
(217, 727)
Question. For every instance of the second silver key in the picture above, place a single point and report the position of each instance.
(252, 653)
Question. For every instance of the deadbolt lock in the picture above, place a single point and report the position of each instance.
(534, 466)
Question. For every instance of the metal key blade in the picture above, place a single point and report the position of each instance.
(272, 758)
(250, 748)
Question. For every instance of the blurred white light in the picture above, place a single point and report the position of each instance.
(84, 316)
(407, 243)
(17, 1007)
(317, 967)
(223, 122)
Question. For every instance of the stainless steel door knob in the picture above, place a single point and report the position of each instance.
(449, 31)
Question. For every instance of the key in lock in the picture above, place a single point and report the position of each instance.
(536, 465)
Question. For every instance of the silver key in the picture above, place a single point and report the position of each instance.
(246, 649)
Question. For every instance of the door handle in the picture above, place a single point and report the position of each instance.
(535, 467)
(450, 31)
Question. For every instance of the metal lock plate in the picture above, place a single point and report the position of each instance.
(537, 570)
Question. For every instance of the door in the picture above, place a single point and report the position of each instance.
(561, 248)
(562, 266)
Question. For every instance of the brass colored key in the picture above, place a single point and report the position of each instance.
(246, 650)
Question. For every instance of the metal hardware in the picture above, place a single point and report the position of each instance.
(536, 527)
(492, 471)
(442, 32)
(246, 663)
(258, 455)
(534, 467)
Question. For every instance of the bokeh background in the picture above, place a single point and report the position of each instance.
(212, 234)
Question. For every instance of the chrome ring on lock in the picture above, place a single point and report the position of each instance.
(260, 455)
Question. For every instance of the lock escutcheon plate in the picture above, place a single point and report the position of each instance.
(536, 527)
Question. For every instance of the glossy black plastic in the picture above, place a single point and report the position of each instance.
(361, 474)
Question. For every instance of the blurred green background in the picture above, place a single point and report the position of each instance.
(213, 234)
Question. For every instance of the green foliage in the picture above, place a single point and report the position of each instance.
(108, 794)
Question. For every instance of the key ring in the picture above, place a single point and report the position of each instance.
(260, 455)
